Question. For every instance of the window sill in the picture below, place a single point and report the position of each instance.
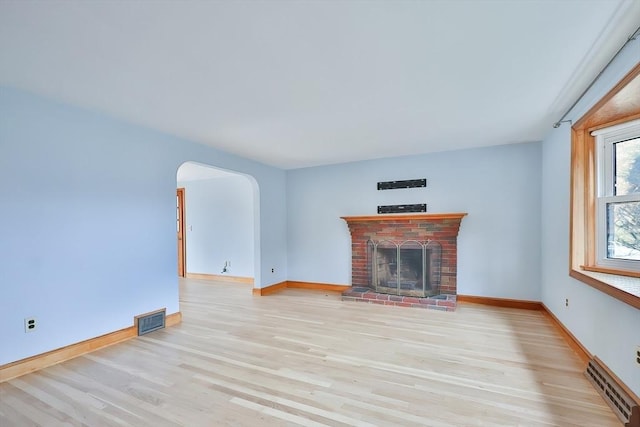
(610, 271)
(623, 288)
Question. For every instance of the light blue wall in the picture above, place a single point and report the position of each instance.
(608, 328)
(499, 241)
(88, 207)
(219, 225)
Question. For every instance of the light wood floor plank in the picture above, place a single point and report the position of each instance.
(306, 358)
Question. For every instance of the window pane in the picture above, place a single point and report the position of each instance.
(627, 167)
(623, 230)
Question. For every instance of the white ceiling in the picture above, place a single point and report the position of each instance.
(304, 83)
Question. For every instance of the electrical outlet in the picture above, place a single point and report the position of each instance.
(638, 355)
(566, 302)
(273, 270)
(30, 324)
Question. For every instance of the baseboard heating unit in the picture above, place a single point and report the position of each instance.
(614, 394)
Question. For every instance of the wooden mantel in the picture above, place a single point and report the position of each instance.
(419, 216)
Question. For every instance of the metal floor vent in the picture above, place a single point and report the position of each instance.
(622, 404)
(151, 322)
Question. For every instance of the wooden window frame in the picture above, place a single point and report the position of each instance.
(606, 140)
(620, 105)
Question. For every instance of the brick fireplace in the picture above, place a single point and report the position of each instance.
(407, 260)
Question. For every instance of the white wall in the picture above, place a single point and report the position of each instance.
(219, 225)
(499, 241)
(88, 208)
(608, 328)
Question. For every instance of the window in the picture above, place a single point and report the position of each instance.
(618, 198)
(605, 193)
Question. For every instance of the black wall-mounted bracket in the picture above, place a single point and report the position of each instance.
(402, 208)
(409, 183)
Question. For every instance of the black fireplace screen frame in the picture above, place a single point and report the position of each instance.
(407, 268)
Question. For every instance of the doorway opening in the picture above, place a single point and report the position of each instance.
(180, 232)
(220, 224)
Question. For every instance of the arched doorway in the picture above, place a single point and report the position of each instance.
(219, 212)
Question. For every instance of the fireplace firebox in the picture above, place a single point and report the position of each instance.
(409, 268)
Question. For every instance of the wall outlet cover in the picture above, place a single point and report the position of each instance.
(30, 324)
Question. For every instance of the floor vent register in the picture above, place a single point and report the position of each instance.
(151, 321)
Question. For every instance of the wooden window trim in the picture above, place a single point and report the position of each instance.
(620, 105)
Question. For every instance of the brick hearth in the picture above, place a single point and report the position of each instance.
(442, 228)
(362, 294)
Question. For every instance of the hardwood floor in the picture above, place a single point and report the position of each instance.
(306, 358)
